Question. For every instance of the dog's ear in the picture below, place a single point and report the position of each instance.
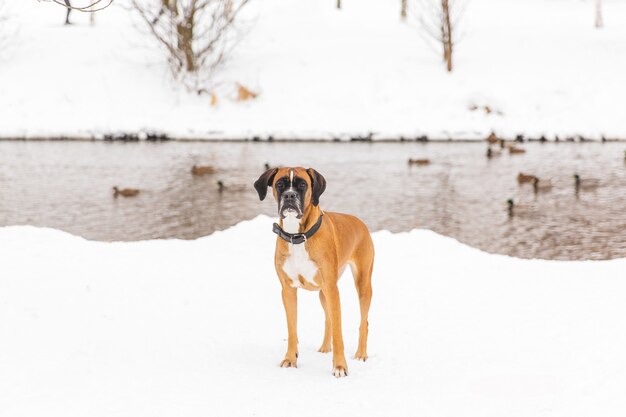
(318, 185)
(264, 181)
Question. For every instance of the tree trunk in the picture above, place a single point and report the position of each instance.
(69, 10)
(184, 30)
(339, 4)
(92, 15)
(184, 44)
(403, 10)
(447, 53)
(446, 34)
(599, 22)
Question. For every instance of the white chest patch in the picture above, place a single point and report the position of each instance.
(298, 262)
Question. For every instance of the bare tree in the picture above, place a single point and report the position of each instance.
(439, 19)
(92, 6)
(599, 21)
(195, 34)
(403, 9)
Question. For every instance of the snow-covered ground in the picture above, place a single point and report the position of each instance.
(321, 73)
(196, 328)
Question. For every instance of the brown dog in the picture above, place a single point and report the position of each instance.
(312, 250)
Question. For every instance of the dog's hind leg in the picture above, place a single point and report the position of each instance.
(362, 273)
(331, 292)
(326, 347)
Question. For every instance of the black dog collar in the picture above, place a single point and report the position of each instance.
(297, 238)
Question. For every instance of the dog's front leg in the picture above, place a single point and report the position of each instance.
(290, 301)
(331, 293)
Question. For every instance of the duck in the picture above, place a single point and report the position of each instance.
(514, 208)
(202, 170)
(419, 161)
(125, 192)
(525, 178)
(542, 185)
(493, 138)
(221, 187)
(268, 166)
(491, 152)
(515, 149)
(586, 184)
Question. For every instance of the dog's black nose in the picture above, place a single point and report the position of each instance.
(290, 195)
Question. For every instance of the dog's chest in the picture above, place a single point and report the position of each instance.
(298, 264)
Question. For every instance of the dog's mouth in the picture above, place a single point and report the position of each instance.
(290, 210)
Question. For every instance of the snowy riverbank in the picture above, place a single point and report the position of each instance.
(540, 66)
(196, 328)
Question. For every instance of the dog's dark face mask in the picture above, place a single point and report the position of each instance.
(294, 189)
(290, 194)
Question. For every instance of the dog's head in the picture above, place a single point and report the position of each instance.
(294, 189)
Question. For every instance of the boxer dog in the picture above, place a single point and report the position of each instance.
(313, 248)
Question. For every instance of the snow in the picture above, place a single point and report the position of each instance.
(197, 328)
(324, 74)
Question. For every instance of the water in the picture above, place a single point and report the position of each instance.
(67, 185)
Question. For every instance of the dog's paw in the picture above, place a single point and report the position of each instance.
(360, 356)
(340, 372)
(289, 363)
(325, 348)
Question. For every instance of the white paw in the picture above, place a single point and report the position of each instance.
(340, 372)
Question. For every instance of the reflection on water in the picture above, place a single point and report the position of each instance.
(67, 185)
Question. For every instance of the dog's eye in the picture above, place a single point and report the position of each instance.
(302, 185)
(280, 185)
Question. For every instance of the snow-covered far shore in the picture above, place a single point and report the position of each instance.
(196, 328)
(540, 67)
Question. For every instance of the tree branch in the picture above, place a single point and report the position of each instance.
(102, 4)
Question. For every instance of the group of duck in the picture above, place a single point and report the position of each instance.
(544, 185)
(496, 146)
(209, 170)
(537, 183)
(196, 170)
(493, 151)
